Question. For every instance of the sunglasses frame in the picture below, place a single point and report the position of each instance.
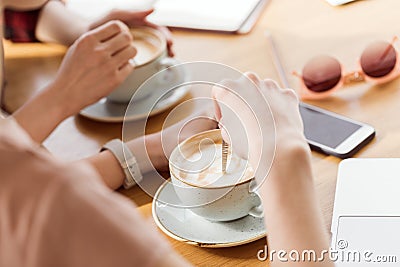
(348, 78)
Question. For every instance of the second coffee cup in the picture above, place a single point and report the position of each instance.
(151, 57)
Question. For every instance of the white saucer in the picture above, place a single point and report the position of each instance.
(183, 225)
(108, 111)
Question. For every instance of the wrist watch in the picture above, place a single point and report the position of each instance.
(128, 162)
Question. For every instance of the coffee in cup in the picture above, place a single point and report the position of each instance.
(200, 184)
(151, 57)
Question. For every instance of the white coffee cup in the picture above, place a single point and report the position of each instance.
(151, 57)
(219, 200)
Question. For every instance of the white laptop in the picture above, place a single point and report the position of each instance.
(366, 216)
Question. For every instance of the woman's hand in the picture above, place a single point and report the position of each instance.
(136, 18)
(260, 119)
(94, 66)
(271, 117)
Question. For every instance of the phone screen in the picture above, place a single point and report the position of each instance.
(326, 129)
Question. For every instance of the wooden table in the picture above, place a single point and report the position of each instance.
(301, 29)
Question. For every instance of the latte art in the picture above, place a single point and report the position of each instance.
(205, 168)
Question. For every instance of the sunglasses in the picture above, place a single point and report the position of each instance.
(324, 74)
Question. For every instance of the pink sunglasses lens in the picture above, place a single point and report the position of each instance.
(322, 73)
(378, 59)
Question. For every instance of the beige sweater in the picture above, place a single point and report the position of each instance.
(58, 214)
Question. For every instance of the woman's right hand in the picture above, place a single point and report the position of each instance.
(94, 66)
(261, 120)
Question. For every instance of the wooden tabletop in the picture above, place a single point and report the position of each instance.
(301, 29)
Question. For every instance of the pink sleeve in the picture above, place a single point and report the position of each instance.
(62, 215)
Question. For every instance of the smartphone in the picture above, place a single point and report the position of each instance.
(332, 133)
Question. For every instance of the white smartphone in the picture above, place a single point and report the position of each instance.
(332, 133)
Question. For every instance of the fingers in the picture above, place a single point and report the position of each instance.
(217, 109)
(253, 77)
(124, 71)
(119, 45)
(291, 93)
(123, 56)
(126, 15)
(118, 42)
(131, 18)
(271, 84)
(108, 30)
(217, 94)
(142, 14)
(167, 34)
(168, 37)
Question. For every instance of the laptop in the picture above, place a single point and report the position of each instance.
(366, 216)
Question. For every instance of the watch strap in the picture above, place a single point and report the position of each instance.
(127, 161)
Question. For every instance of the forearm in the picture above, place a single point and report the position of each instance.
(294, 220)
(57, 24)
(84, 77)
(151, 151)
(110, 169)
(42, 114)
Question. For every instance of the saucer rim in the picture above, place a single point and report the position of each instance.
(192, 242)
(181, 92)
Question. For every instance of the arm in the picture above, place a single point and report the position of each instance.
(97, 78)
(90, 70)
(57, 24)
(289, 195)
(158, 146)
(151, 151)
(288, 192)
(63, 209)
(293, 218)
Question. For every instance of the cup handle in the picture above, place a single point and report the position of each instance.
(169, 74)
(257, 211)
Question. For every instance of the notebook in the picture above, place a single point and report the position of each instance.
(237, 16)
(221, 15)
